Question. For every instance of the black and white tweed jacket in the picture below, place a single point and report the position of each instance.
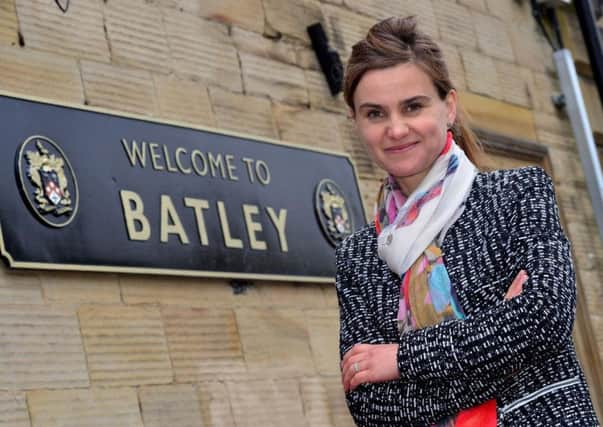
(518, 351)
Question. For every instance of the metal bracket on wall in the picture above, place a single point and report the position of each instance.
(63, 5)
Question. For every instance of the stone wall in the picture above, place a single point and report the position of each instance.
(128, 350)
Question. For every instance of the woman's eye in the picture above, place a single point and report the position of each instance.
(374, 114)
(413, 107)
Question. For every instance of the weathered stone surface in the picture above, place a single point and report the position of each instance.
(79, 33)
(135, 31)
(552, 139)
(202, 49)
(544, 88)
(102, 407)
(529, 46)
(455, 23)
(119, 88)
(277, 80)
(192, 292)
(8, 23)
(592, 102)
(566, 165)
(323, 326)
(275, 342)
(203, 343)
(28, 334)
(247, 14)
(453, 60)
(479, 5)
(19, 287)
(516, 83)
(381, 9)
(353, 145)
(299, 295)
(345, 28)
(492, 37)
(242, 113)
(320, 94)
(170, 406)
(316, 402)
(339, 410)
(68, 287)
(554, 123)
(215, 404)
(13, 410)
(308, 127)
(266, 403)
(291, 17)
(46, 75)
(125, 345)
(183, 100)
(330, 295)
(481, 74)
(257, 44)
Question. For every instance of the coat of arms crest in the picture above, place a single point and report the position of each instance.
(332, 211)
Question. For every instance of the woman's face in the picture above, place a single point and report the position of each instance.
(402, 121)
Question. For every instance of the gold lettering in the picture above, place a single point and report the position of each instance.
(249, 162)
(216, 162)
(170, 221)
(179, 151)
(166, 155)
(229, 241)
(253, 227)
(194, 155)
(155, 156)
(231, 167)
(133, 208)
(198, 205)
(279, 222)
(135, 154)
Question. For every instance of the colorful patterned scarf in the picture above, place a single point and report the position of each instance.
(409, 230)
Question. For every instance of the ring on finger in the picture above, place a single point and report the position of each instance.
(355, 367)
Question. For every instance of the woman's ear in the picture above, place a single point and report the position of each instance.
(351, 115)
(451, 103)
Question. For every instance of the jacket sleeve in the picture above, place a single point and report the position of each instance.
(399, 402)
(535, 323)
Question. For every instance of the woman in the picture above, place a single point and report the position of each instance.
(431, 331)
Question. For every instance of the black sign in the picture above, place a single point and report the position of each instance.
(87, 190)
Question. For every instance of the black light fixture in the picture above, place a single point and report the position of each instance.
(329, 60)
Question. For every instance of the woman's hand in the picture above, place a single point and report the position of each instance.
(375, 363)
(517, 285)
(369, 363)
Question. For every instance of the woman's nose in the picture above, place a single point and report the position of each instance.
(397, 128)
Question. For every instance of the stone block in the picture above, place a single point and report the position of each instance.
(19, 287)
(529, 46)
(544, 88)
(330, 295)
(79, 33)
(337, 405)
(9, 27)
(118, 88)
(259, 45)
(479, 5)
(266, 403)
(203, 50)
(592, 102)
(102, 407)
(215, 404)
(516, 83)
(493, 37)
(510, 11)
(247, 14)
(369, 188)
(204, 344)
(13, 410)
(498, 116)
(382, 9)
(566, 165)
(305, 57)
(291, 17)
(170, 406)
(308, 127)
(192, 292)
(135, 31)
(74, 288)
(183, 100)
(316, 402)
(454, 63)
(42, 74)
(125, 345)
(554, 123)
(320, 94)
(296, 295)
(481, 74)
(455, 23)
(243, 113)
(28, 335)
(275, 342)
(345, 28)
(280, 81)
(552, 139)
(323, 326)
